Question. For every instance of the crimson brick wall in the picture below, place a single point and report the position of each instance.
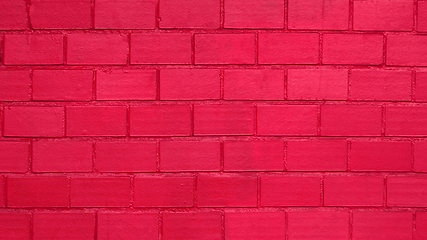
(213, 119)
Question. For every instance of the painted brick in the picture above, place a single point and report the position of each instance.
(127, 225)
(191, 225)
(189, 84)
(420, 226)
(14, 156)
(407, 50)
(254, 84)
(288, 48)
(15, 85)
(382, 225)
(290, 191)
(14, 226)
(160, 120)
(422, 16)
(360, 49)
(420, 93)
(406, 121)
(407, 191)
(126, 85)
(420, 156)
(226, 191)
(287, 120)
(14, 15)
(164, 191)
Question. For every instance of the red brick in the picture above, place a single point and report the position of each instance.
(407, 50)
(317, 84)
(14, 156)
(420, 93)
(161, 48)
(254, 225)
(191, 226)
(406, 121)
(100, 192)
(96, 121)
(420, 156)
(62, 85)
(254, 14)
(15, 85)
(127, 225)
(14, 15)
(223, 120)
(176, 156)
(287, 120)
(62, 156)
(71, 14)
(422, 16)
(34, 121)
(407, 191)
(350, 120)
(319, 225)
(317, 14)
(226, 191)
(14, 226)
(382, 225)
(386, 85)
(380, 156)
(290, 191)
(360, 49)
(189, 84)
(126, 14)
(288, 48)
(125, 156)
(164, 191)
(316, 155)
(33, 49)
(253, 156)
(126, 85)
(189, 14)
(92, 49)
(64, 225)
(263, 84)
(421, 225)
(160, 120)
(37, 192)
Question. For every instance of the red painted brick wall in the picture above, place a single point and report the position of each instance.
(213, 119)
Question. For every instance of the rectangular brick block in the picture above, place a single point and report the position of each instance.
(420, 156)
(420, 93)
(382, 225)
(15, 85)
(127, 225)
(407, 50)
(14, 225)
(421, 226)
(407, 191)
(14, 15)
(14, 156)
(191, 225)
(406, 121)
(422, 16)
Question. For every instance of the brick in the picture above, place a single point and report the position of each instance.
(164, 191)
(14, 15)
(253, 156)
(226, 191)
(382, 225)
(225, 49)
(360, 49)
(62, 156)
(33, 49)
(126, 14)
(127, 225)
(317, 84)
(319, 225)
(287, 120)
(71, 14)
(288, 48)
(14, 226)
(93, 49)
(34, 121)
(160, 120)
(420, 93)
(191, 225)
(176, 156)
(15, 85)
(407, 50)
(316, 155)
(126, 85)
(350, 120)
(161, 48)
(263, 84)
(380, 156)
(317, 14)
(420, 225)
(223, 120)
(420, 156)
(64, 225)
(383, 15)
(254, 14)
(255, 225)
(96, 121)
(189, 84)
(14, 156)
(189, 14)
(290, 191)
(100, 192)
(62, 85)
(406, 121)
(37, 192)
(407, 191)
(422, 16)
(385, 85)
(125, 156)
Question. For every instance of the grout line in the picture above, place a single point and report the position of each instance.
(92, 14)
